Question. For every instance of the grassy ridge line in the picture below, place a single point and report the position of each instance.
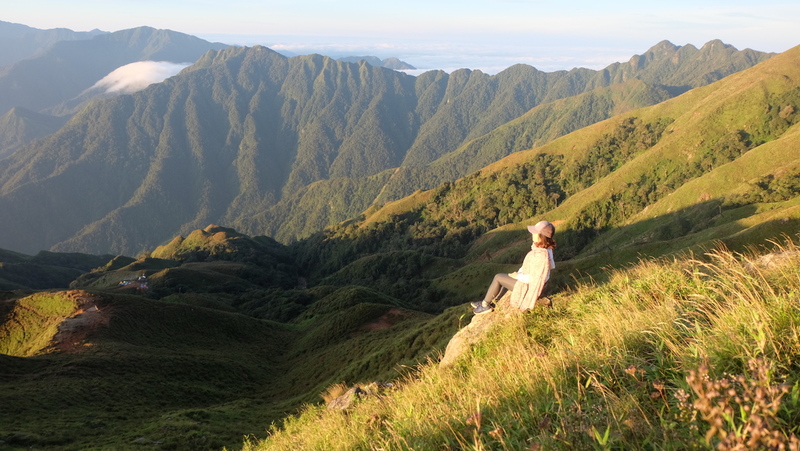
(618, 365)
(687, 109)
(702, 114)
(772, 158)
(536, 127)
(548, 121)
(737, 177)
(724, 107)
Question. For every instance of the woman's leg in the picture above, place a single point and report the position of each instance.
(498, 287)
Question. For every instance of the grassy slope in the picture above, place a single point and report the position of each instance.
(614, 369)
(701, 115)
(621, 365)
(169, 373)
(175, 374)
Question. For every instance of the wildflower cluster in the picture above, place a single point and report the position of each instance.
(740, 412)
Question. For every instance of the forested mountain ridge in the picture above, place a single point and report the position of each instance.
(215, 334)
(20, 126)
(717, 164)
(67, 68)
(249, 138)
(389, 63)
(23, 41)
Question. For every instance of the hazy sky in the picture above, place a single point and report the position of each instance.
(442, 34)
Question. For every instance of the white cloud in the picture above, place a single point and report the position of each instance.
(137, 76)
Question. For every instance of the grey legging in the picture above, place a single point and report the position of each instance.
(498, 287)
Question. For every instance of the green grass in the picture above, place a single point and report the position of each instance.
(29, 328)
(174, 374)
(628, 364)
(157, 371)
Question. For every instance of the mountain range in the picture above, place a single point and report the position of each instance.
(21, 41)
(213, 334)
(66, 68)
(389, 63)
(286, 146)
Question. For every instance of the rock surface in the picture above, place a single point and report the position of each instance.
(480, 325)
(477, 328)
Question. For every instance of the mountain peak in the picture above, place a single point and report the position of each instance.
(716, 45)
(389, 63)
(663, 47)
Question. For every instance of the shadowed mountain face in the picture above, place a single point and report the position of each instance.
(21, 126)
(284, 147)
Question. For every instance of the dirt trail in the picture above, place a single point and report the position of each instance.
(73, 331)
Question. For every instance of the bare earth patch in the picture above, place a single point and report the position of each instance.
(387, 320)
(73, 331)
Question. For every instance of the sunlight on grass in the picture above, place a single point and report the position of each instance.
(629, 364)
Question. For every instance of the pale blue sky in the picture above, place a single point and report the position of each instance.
(442, 34)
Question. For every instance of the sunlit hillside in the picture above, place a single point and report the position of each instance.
(695, 352)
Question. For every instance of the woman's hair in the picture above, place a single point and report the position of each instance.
(545, 242)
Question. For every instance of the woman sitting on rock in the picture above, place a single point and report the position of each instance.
(528, 282)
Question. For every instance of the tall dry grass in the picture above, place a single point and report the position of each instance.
(634, 363)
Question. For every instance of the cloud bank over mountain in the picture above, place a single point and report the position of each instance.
(137, 76)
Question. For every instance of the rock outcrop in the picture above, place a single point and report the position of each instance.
(474, 332)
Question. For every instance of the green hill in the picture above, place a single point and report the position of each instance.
(673, 355)
(45, 270)
(198, 333)
(136, 368)
(116, 368)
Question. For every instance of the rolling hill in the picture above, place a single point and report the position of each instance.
(185, 359)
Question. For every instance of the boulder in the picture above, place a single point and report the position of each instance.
(480, 325)
(346, 400)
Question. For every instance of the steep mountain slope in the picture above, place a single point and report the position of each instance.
(538, 126)
(67, 68)
(21, 126)
(658, 356)
(716, 163)
(243, 129)
(21, 41)
(751, 111)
